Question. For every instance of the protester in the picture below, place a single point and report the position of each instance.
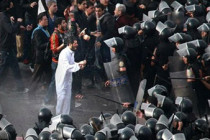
(40, 41)
(63, 76)
(56, 45)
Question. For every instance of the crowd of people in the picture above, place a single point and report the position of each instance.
(115, 43)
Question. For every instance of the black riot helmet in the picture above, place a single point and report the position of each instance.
(150, 123)
(189, 53)
(170, 24)
(66, 119)
(192, 23)
(45, 134)
(191, 2)
(143, 132)
(126, 134)
(137, 26)
(100, 136)
(164, 32)
(151, 112)
(77, 135)
(30, 134)
(201, 125)
(44, 115)
(127, 31)
(180, 38)
(196, 10)
(205, 27)
(115, 42)
(201, 45)
(160, 91)
(131, 126)
(55, 136)
(95, 123)
(186, 106)
(89, 137)
(180, 117)
(148, 27)
(159, 134)
(87, 129)
(192, 55)
(206, 59)
(69, 132)
(162, 123)
(157, 113)
(128, 117)
(164, 8)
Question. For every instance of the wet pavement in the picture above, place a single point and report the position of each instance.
(22, 109)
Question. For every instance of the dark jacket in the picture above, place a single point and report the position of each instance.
(40, 41)
(7, 32)
(107, 26)
(107, 29)
(80, 18)
(30, 13)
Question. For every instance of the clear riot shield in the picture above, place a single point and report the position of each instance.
(176, 64)
(140, 95)
(119, 83)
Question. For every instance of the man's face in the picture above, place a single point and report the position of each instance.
(90, 10)
(63, 25)
(104, 2)
(82, 6)
(99, 12)
(53, 8)
(74, 45)
(44, 21)
(117, 13)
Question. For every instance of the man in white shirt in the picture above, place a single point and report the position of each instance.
(63, 76)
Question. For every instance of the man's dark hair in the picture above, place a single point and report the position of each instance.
(71, 39)
(80, 1)
(4, 4)
(58, 21)
(89, 4)
(100, 6)
(40, 16)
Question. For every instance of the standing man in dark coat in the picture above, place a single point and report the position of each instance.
(81, 20)
(30, 8)
(106, 22)
(40, 41)
(8, 58)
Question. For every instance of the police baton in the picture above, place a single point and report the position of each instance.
(180, 78)
(109, 99)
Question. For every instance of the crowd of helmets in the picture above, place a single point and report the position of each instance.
(157, 119)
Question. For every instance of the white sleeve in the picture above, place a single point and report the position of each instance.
(65, 64)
